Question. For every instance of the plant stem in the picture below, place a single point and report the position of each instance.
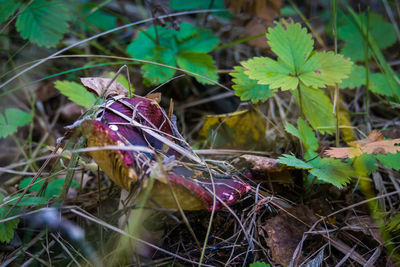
(336, 98)
(366, 49)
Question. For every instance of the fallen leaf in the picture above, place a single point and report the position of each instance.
(374, 144)
(285, 231)
(257, 16)
(100, 86)
(238, 130)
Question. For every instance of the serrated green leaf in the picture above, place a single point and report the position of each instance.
(357, 77)
(154, 74)
(380, 84)
(390, 160)
(333, 171)
(293, 45)
(194, 39)
(13, 119)
(290, 128)
(8, 8)
(144, 46)
(317, 108)
(44, 22)
(270, 72)
(199, 63)
(76, 93)
(292, 161)
(249, 89)
(7, 228)
(378, 29)
(324, 68)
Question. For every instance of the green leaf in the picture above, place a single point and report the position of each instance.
(357, 77)
(380, 84)
(324, 69)
(270, 72)
(390, 160)
(304, 133)
(292, 44)
(154, 74)
(144, 46)
(8, 8)
(378, 29)
(369, 161)
(7, 228)
(44, 22)
(259, 264)
(76, 93)
(28, 200)
(13, 119)
(100, 19)
(292, 161)
(204, 4)
(317, 108)
(53, 188)
(333, 171)
(199, 63)
(296, 62)
(249, 89)
(194, 39)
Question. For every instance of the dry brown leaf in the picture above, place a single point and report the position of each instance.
(374, 144)
(285, 231)
(99, 86)
(259, 163)
(257, 16)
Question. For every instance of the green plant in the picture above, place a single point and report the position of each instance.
(42, 22)
(12, 119)
(53, 189)
(299, 69)
(350, 32)
(186, 48)
(322, 170)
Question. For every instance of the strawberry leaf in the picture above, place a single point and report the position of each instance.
(292, 161)
(390, 160)
(270, 72)
(304, 133)
(45, 22)
(8, 8)
(12, 119)
(357, 77)
(194, 39)
(296, 62)
(293, 45)
(323, 69)
(199, 63)
(249, 89)
(317, 108)
(76, 93)
(154, 74)
(378, 29)
(333, 171)
(7, 228)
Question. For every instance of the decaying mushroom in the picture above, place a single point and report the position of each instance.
(138, 135)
